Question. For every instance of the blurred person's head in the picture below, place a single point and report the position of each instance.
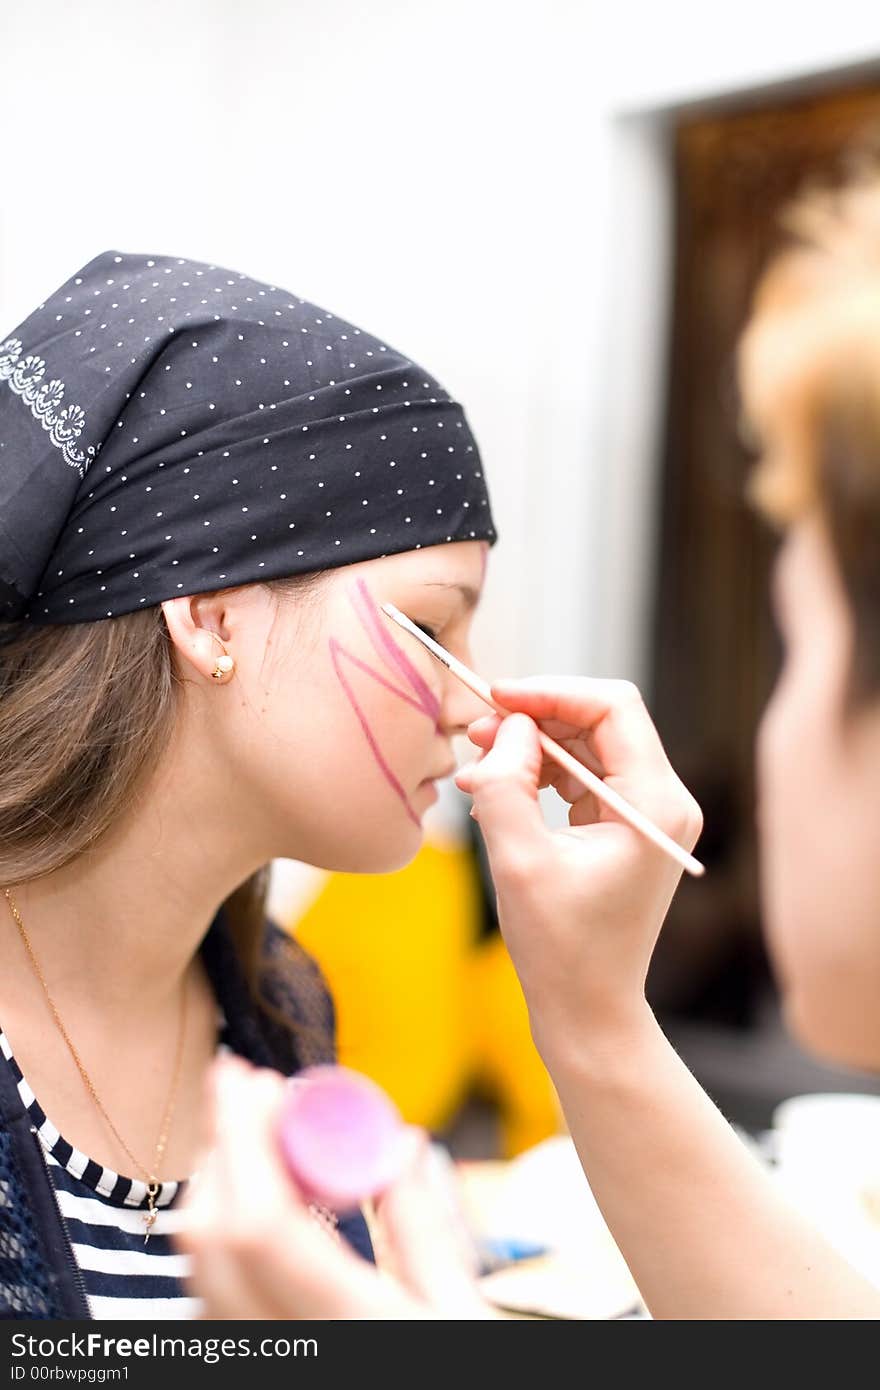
(810, 374)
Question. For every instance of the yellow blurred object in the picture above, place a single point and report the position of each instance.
(423, 1006)
(393, 947)
(505, 1061)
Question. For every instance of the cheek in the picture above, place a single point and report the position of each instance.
(830, 998)
(820, 879)
(332, 798)
(783, 811)
(376, 734)
(795, 893)
(797, 759)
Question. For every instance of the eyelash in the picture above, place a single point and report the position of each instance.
(429, 631)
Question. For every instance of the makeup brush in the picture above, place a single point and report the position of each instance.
(553, 750)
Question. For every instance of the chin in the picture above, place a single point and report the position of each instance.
(385, 855)
(391, 863)
(830, 1040)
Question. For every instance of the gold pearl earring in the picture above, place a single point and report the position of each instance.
(225, 664)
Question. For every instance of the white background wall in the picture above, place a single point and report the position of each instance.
(425, 170)
(481, 182)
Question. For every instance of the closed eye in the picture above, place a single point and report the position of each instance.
(428, 631)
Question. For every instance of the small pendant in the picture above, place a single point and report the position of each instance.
(149, 1219)
(151, 1216)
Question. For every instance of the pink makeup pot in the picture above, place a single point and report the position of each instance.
(342, 1137)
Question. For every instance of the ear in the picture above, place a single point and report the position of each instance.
(197, 628)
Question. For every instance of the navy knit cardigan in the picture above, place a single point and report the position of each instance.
(39, 1277)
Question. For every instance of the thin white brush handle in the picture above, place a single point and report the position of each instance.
(553, 750)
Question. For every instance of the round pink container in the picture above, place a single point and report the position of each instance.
(341, 1135)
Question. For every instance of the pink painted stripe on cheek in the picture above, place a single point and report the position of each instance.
(336, 652)
(390, 651)
(377, 676)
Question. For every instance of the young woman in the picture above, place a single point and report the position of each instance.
(208, 488)
(698, 1220)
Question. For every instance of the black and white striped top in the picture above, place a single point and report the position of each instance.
(103, 1213)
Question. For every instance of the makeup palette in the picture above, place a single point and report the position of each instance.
(342, 1137)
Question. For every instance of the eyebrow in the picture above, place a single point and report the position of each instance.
(471, 596)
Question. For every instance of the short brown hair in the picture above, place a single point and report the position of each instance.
(809, 367)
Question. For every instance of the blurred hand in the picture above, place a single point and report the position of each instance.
(258, 1252)
(580, 909)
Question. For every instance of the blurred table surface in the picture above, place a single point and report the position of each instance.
(542, 1201)
(829, 1168)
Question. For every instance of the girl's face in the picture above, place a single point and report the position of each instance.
(344, 720)
(819, 815)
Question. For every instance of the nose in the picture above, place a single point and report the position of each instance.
(459, 705)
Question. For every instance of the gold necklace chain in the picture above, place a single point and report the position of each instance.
(150, 1175)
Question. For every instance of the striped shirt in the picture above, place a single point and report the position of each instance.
(103, 1213)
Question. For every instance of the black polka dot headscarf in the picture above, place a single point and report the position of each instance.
(168, 427)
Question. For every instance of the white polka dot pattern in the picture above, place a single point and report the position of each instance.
(220, 432)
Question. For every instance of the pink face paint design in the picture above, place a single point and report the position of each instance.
(389, 651)
(337, 652)
(424, 700)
